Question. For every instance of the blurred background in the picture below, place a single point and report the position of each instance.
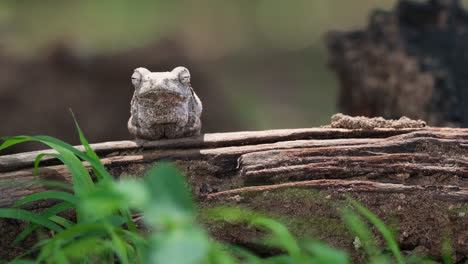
(255, 64)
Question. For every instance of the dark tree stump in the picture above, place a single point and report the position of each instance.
(411, 61)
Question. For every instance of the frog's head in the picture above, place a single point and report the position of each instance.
(175, 83)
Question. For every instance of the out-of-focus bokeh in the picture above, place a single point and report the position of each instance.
(255, 64)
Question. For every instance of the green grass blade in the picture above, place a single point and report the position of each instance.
(82, 181)
(98, 169)
(58, 208)
(218, 253)
(95, 163)
(358, 226)
(280, 237)
(10, 141)
(83, 139)
(81, 231)
(56, 184)
(446, 250)
(380, 225)
(33, 249)
(282, 259)
(38, 159)
(22, 261)
(140, 243)
(129, 221)
(119, 246)
(323, 253)
(24, 215)
(48, 195)
(63, 148)
(244, 254)
(61, 221)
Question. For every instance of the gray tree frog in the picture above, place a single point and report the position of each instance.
(164, 105)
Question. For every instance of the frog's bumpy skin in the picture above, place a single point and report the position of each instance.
(164, 105)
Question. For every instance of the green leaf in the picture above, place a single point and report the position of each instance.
(101, 202)
(230, 214)
(322, 253)
(280, 237)
(47, 195)
(181, 246)
(84, 248)
(78, 230)
(24, 215)
(170, 201)
(109, 197)
(386, 233)
(134, 192)
(58, 208)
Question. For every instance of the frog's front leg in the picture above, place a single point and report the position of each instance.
(145, 132)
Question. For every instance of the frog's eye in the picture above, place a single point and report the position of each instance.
(137, 76)
(185, 79)
(136, 79)
(183, 74)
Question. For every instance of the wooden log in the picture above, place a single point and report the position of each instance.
(215, 140)
(312, 208)
(427, 166)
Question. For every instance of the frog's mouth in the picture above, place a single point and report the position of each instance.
(161, 92)
(162, 97)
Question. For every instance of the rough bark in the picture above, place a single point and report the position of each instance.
(417, 177)
(408, 61)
